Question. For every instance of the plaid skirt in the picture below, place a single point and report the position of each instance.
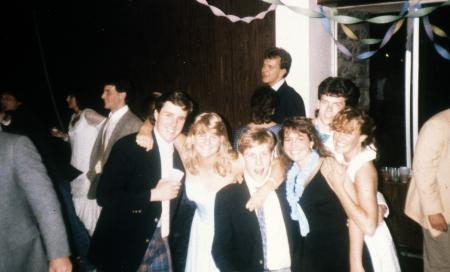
(157, 256)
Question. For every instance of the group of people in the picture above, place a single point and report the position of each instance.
(290, 194)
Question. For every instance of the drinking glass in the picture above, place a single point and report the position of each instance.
(393, 174)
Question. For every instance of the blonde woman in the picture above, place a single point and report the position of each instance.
(209, 160)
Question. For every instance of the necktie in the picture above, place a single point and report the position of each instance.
(262, 228)
(104, 144)
(105, 138)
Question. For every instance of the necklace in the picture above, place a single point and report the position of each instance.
(295, 185)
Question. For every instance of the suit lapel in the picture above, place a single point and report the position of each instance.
(96, 152)
(155, 157)
(117, 133)
(174, 203)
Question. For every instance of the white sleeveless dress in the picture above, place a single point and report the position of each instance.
(380, 245)
(82, 137)
(199, 257)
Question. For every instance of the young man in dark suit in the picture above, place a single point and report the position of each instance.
(263, 240)
(275, 69)
(144, 210)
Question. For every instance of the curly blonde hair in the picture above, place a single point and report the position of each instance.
(205, 122)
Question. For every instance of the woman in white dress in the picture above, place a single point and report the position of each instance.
(83, 130)
(355, 183)
(209, 160)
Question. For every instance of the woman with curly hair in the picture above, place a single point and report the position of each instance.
(354, 179)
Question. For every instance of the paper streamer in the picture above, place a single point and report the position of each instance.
(417, 11)
(429, 30)
(233, 18)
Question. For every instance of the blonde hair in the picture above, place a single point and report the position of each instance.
(252, 137)
(209, 121)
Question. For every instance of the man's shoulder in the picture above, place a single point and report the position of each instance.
(287, 91)
(440, 122)
(10, 139)
(231, 190)
(7, 137)
(129, 116)
(127, 143)
(442, 118)
(129, 123)
(286, 87)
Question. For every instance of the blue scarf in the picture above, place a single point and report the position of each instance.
(295, 185)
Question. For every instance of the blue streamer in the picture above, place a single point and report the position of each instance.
(429, 31)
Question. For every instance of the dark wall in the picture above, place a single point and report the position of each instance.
(160, 45)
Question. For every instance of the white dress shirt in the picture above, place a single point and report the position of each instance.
(166, 153)
(277, 245)
(277, 85)
(111, 123)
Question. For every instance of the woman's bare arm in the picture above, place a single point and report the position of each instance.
(362, 207)
(93, 117)
(356, 239)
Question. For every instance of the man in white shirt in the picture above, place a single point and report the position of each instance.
(265, 239)
(276, 66)
(120, 122)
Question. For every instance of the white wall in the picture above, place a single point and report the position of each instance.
(311, 48)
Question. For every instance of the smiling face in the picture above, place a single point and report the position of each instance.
(271, 71)
(349, 142)
(207, 144)
(169, 121)
(297, 145)
(257, 161)
(329, 106)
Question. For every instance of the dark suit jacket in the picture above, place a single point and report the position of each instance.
(128, 218)
(237, 244)
(289, 104)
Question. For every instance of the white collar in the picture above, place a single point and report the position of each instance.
(252, 184)
(277, 85)
(115, 116)
(163, 145)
